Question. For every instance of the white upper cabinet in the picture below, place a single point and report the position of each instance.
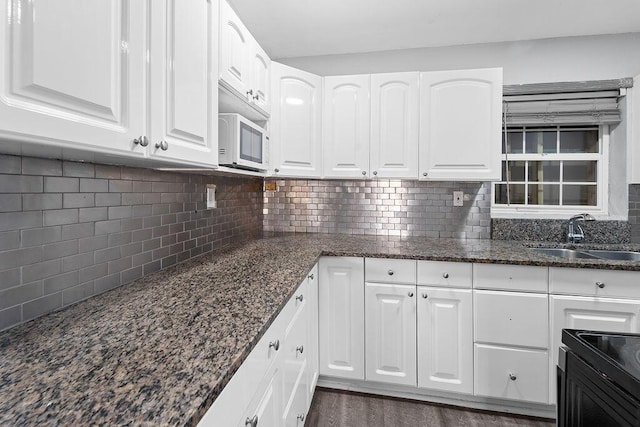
(244, 65)
(295, 122)
(183, 99)
(460, 124)
(73, 77)
(345, 126)
(394, 125)
(634, 116)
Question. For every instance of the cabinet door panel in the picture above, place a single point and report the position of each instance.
(235, 51)
(341, 305)
(445, 339)
(312, 354)
(295, 122)
(390, 333)
(261, 78)
(182, 93)
(394, 125)
(460, 124)
(345, 124)
(267, 407)
(73, 76)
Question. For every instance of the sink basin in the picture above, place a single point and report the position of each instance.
(565, 253)
(615, 255)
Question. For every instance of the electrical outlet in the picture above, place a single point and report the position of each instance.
(458, 197)
(211, 196)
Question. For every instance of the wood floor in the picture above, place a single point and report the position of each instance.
(339, 408)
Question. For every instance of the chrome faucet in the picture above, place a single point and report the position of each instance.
(575, 233)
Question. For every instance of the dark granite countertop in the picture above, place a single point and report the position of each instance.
(159, 351)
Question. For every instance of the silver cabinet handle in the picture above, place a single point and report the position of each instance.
(364, 172)
(252, 422)
(512, 377)
(256, 97)
(275, 344)
(301, 417)
(600, 285)
(276, 170)
(300, 349)
(375, 172)
(424, 295)
(410, 294)
(445, 275)
(390, 272)
(250, 92)
(142, 141)
(424, 174)
(300, 298)
(311, 276)
(163, 145)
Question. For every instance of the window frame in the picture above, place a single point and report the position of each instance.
(553, 211)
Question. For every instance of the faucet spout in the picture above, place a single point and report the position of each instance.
(575, 233)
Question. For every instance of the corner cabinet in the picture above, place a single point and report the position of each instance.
(78, 79)
(295, 123)
(460, 125)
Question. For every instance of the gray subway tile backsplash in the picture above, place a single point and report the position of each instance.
(70, 230)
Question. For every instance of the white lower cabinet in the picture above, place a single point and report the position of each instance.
(296, 407)
(390, 342)
(445, 339)
(265, 411)
(312, 337)
(341, 318)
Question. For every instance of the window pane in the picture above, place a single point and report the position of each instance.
(541, 142)
(514, 142)
(580, 171)
(516, 171)
(546, 194)
(579, 141)
(583, 195)
(544, 171)
(516, 193)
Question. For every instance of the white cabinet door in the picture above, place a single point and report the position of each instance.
(633, 116)
(267, 407)
(295, 122)
(71, 73)
(183, 98)
(390, 342)
(346, 126)
(236, 45)
(261, 78)
(341, 302)
(312, 334)
(295, 410)
(445, 339)
(460, 124)
(394, 125)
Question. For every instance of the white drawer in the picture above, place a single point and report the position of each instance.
(511, 277)
(511, 373)
(296, 405)
(445, 274)
(592, 282)
(383, 270)
(511, 318)
(295, 348)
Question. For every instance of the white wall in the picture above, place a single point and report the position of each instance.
(535, 61)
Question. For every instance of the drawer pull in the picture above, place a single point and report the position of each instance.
(600, 285)
(410, 294)
(390, 272)
(252, 422)
(300, 297)
(275, 344)
(424, 295)
(300, 349)
(445, 275)
(512, 377)
(311, 276)
(301, 417)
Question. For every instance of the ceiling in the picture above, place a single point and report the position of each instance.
(292, 28)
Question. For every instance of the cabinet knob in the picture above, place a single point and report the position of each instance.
(163, 145)
(375, 172)
(256, 97)
(276, 170)
(301, 417)
(445, 275)
(311, 276)
(425, 295)
(410, 294)
(252, 422)
(275, 344)
(600, 285)
(424, 174)
(300, 298)
(300, 349)
(142, 141)
(390, 272)
(512, 377)
(364, 172)
(250, 92)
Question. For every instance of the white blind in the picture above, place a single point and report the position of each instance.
(565, 103)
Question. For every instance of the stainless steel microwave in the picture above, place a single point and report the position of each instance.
(242, 143)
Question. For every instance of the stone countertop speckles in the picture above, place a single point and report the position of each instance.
(160, 350)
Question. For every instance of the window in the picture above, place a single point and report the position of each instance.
(552, 171)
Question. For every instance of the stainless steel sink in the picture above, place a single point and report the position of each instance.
(615, 255)
(565, 253)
